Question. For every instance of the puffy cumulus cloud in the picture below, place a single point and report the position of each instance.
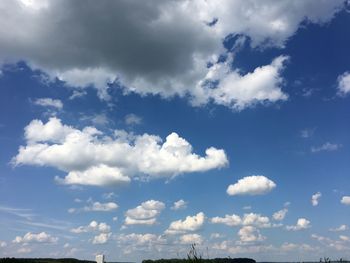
(102, 238)
(144, 214)
(302, 223)
(102, 52)
(94, 226)
(241, 91)
(93, 158)
(229, 220)
(280, 215)
(251, 185)
(250, 219)
(189, 224)
(48, 102)
(344, 84)
(328, 147)
(340, 228)
(315, 198)
(180, 204)
(250, 234)
(189, 239)
(345, 200)
(35, 238)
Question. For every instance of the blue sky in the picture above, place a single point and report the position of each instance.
(135, 129)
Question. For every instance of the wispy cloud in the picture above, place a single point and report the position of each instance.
(328, 147)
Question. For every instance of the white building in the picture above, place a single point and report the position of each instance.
(100, 258)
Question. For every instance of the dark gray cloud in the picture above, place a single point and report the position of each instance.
(150, 47)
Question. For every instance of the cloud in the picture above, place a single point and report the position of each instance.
(189, 224)
(238, 92)
(144, 214)
(250, 219)
(140, 239)
(104, 207)
(328, 147)
(180, 204)
(133, 119)
(101, 53)
(307, 133)
(280, 215)
(93, 158)
(302, 223)
(3, 244)
(251, 185)
(109, 195)
(340, 228)
(216, 235)
(189, 239)
(48, 102)
(315, 198)
(94, 226)
(229, 220)
(102, 238)
(35, 238)
(95, 207)
(344, 238)
(345, 200)
(250, 234)
(293, 246)
(344, 84)
(24, 250)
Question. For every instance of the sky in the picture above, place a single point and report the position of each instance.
(137, 128)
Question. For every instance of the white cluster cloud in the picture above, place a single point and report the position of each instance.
(302, 223)
(144, 214)
(35, 238)
(250, 234)
(92, 158)
(250, 219)
(48, 102)
(180, 204)
(101, 238)
(189, 224)
(315, 198)
(345, 200)
(153, 36)
(344, 84)
(328, 147)
(280, 215)
(94, 226)
(96, 207)
(189, 239)
(251, 185)
(340, 228)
